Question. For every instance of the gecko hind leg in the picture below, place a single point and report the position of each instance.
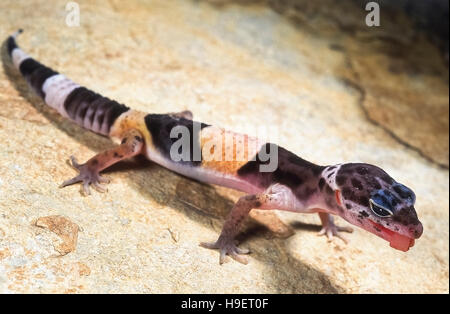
(276, 197)
(131, 145)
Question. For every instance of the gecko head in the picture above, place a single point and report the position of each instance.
(368, 197)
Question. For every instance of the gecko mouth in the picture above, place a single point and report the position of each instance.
(396, 240)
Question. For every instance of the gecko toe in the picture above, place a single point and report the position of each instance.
(342, 238)
(71, 181)
(99, 188)
(86, 189)
(239, 258)
(73, 162)
(344, 229)
(223, 256)
(322, 232)
(241, 251)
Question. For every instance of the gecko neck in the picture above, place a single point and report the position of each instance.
(329, 194)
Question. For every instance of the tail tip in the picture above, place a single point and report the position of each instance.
(15, 34)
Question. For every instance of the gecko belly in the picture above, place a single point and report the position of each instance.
(202, 174)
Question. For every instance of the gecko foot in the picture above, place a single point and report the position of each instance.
(226, 246)
(331, 231)
(88, 175)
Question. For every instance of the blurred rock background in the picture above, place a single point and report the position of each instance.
(338, 91)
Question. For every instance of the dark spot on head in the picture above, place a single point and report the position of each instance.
(362, 170)
(138, 138)
(364, 214)
(348, 206)
(376, 185)
(347, 192)
(363, 201)
(258, 204)
(357, 184)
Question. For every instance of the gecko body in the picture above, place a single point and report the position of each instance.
(362, 194)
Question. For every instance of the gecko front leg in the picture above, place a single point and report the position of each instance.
(330, 230)
(131, 145)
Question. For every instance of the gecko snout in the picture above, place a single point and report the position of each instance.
(417, 230)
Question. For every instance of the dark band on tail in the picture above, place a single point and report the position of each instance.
(93, 111)
(33, 71)
(11, 44)
(36, 74)
(87, 108)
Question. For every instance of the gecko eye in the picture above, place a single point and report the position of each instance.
(380, 211)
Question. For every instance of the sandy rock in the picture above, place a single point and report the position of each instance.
(334, 89)
(65, 229)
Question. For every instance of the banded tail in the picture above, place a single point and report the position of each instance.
(81, 105)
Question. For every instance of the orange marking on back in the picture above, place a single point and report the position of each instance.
(131, 119)
(226, 151)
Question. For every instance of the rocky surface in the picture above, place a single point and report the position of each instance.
(337, 90)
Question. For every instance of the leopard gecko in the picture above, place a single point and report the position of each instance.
(362, 194)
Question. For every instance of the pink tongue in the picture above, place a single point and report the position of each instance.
(401, 242)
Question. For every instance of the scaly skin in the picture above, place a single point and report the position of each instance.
(362, 194)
